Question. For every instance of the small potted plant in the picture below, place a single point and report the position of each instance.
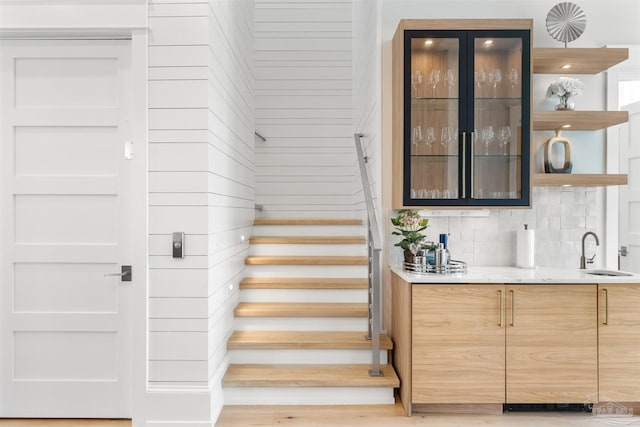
(409, 224)
(564, 88)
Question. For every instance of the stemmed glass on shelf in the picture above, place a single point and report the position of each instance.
(450, 80)
(504, 138)
(513, 77)
(445, 137)
(480, 77)
(416, 136)
(495, 77)
(434, 79)
(487, 136)
(431, 136)
(416, 80)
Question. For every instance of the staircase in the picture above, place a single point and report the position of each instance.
(302, 319)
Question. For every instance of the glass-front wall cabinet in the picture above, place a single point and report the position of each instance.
(466, 121)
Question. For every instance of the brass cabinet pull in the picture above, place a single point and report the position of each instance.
(606, 306)
(464, 165)
(473, 161)
(513, 307)
(500, 308)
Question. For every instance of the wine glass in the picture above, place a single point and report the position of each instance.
(495, 77)
(434, 79)
(487, 136)
(450, 79)
(513, 77)
(504, 137)
(480, 77)
(416, 80)
(445, 136)
(431, 136)
(416, 135)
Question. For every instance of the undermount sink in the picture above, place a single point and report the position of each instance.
(607, 273)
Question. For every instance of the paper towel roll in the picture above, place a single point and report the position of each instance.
(525, 250)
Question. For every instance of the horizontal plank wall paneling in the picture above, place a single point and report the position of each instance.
(367, 117)
(177, 163)
(201, 182)
(303, 54)
(231, 114)
(366, 99)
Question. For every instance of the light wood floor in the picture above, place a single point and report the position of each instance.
(393, 415)
(377, 416)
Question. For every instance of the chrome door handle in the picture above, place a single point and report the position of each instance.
(125, 274)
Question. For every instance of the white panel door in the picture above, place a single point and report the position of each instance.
(65, 326)
(630, 195)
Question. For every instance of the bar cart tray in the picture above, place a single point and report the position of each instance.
(453, 267)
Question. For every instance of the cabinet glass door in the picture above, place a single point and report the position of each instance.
(498, 110)
(466, 119)
(434, 120)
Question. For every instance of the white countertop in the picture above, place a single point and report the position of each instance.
(514, 275)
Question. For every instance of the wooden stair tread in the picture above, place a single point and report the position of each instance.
(305, 260)
(308, 376)
(304, 340)
(305, 221)
(300, 309)
(303, 283)
(307, 240)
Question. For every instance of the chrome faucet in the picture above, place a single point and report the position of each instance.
(583, 260)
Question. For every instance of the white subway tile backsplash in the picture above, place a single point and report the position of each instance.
(559, 216)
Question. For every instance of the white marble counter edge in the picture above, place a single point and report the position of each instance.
(514, 275)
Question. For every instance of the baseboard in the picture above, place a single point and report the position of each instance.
(168, 407)
(179, 423)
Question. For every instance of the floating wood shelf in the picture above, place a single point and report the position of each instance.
(579, 120)
(582, 60)
(577, 180)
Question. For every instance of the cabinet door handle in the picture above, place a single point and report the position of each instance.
(606, 306)
(500, 308)
(473, 161)
(513, 307)
(464, 164)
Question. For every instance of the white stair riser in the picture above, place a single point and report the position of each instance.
(343, 271)
(308, 396)
(308, 249)
(304, 356)
(303, 295)
(309, 230)
(301, 323)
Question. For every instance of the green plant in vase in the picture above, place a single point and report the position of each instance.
(409, 224)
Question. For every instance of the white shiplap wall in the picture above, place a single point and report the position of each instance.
(304, 108)
(366, 100)
(231, 160)
(178, 303)
(201, 166)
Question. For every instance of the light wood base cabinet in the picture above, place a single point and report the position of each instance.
(458, 344)
(551, 343)
(487, 344)
(619, 342)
